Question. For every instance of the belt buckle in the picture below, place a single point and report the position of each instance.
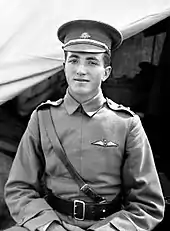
(79, 206)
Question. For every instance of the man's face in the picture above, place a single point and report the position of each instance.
(84, 73)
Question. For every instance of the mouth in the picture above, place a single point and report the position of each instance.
(82, 80)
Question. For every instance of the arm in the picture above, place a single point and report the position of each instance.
(143, 198)
(57, 227)
(22, 190)
(51, 227)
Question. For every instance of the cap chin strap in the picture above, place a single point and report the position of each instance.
(87, 41)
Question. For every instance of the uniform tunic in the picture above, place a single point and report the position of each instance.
(107, 145)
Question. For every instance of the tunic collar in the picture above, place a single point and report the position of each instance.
(90, 107)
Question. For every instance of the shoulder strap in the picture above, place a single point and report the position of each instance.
(59, 150)
(118, 107)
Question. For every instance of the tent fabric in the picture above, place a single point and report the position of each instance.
(29, 49)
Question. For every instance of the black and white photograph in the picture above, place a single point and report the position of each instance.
(81, 127)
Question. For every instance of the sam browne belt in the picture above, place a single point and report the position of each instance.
(78, 209)
(81, 210)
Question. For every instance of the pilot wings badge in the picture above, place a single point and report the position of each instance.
(104, 143)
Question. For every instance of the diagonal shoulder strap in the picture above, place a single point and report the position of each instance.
(59, 150)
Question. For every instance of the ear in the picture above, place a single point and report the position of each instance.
(107, 72)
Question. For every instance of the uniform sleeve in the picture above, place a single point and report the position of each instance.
(23, 188)
(143, 206)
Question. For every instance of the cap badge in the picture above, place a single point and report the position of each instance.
(85, 35)
(105, 143)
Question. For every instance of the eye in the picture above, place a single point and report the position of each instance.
(92, 62)
(73, 61)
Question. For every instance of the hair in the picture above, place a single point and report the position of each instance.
(106, 58)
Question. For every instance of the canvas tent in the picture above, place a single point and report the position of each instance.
(29, 49)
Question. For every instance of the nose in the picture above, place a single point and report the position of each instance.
(81, 70)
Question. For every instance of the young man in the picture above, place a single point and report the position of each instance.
(104, 141)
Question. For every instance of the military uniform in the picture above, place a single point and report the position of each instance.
(105, 142)
(107, 145)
